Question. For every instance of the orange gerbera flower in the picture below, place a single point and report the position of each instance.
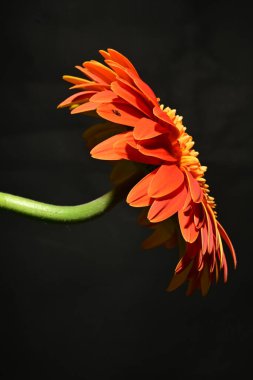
(143, 131)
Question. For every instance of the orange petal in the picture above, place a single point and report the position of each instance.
(156, 147)
(120, 70)
(228, 242)
(92, 76)
(187, 226)
(144, 88)
(146, 129)
(74, 80)
(128, 152)
(167, 179)
(105, 150)
(138, 196)
(210, 241)
(167, 122)
(103, 72)
(122, 60)
(106, 96)
(204, 238)
(105, 54)
(131, 96)
(78, 98)
(89, 106)
(199, 215)
(119, 113)
(165, 207)
(158, 112)
(195, 189)
(90, 86)
(126, 147)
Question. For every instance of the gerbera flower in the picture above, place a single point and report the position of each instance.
(143, 131)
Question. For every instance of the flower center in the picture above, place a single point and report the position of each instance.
(189, 156)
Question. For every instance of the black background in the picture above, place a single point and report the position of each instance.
(83, 301)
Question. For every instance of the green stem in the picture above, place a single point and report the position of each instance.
(65, 214)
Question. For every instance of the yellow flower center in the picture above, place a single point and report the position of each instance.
(189, 156)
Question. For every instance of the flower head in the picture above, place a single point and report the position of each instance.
(140, 130)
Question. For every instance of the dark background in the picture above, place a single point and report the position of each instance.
(83, 301)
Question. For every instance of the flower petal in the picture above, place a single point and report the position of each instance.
(128, 152)
(105, 150)
(78, 98)
(228, 242)
(105, 96)
(144, 88)
(187, 226)
(74, 80)
(165, 207)
(167, 179)
(178, 279)
(138, 196)
(122, 60)
(120, 70)
(101, 71)
(92, 76)
(131, 96)
(146, 129)
(195, 189)
(156, 147)
(119, 113)
(89, 106)
(158, 112)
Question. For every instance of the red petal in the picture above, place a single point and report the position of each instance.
(167, 179)
(195, 189)
(138, 196)
(119, 113)
(167, 206)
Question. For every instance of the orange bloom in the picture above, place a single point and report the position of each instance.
(143, 131)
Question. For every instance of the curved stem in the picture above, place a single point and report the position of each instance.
(65, 214)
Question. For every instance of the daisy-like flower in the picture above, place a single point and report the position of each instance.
(140, 130)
